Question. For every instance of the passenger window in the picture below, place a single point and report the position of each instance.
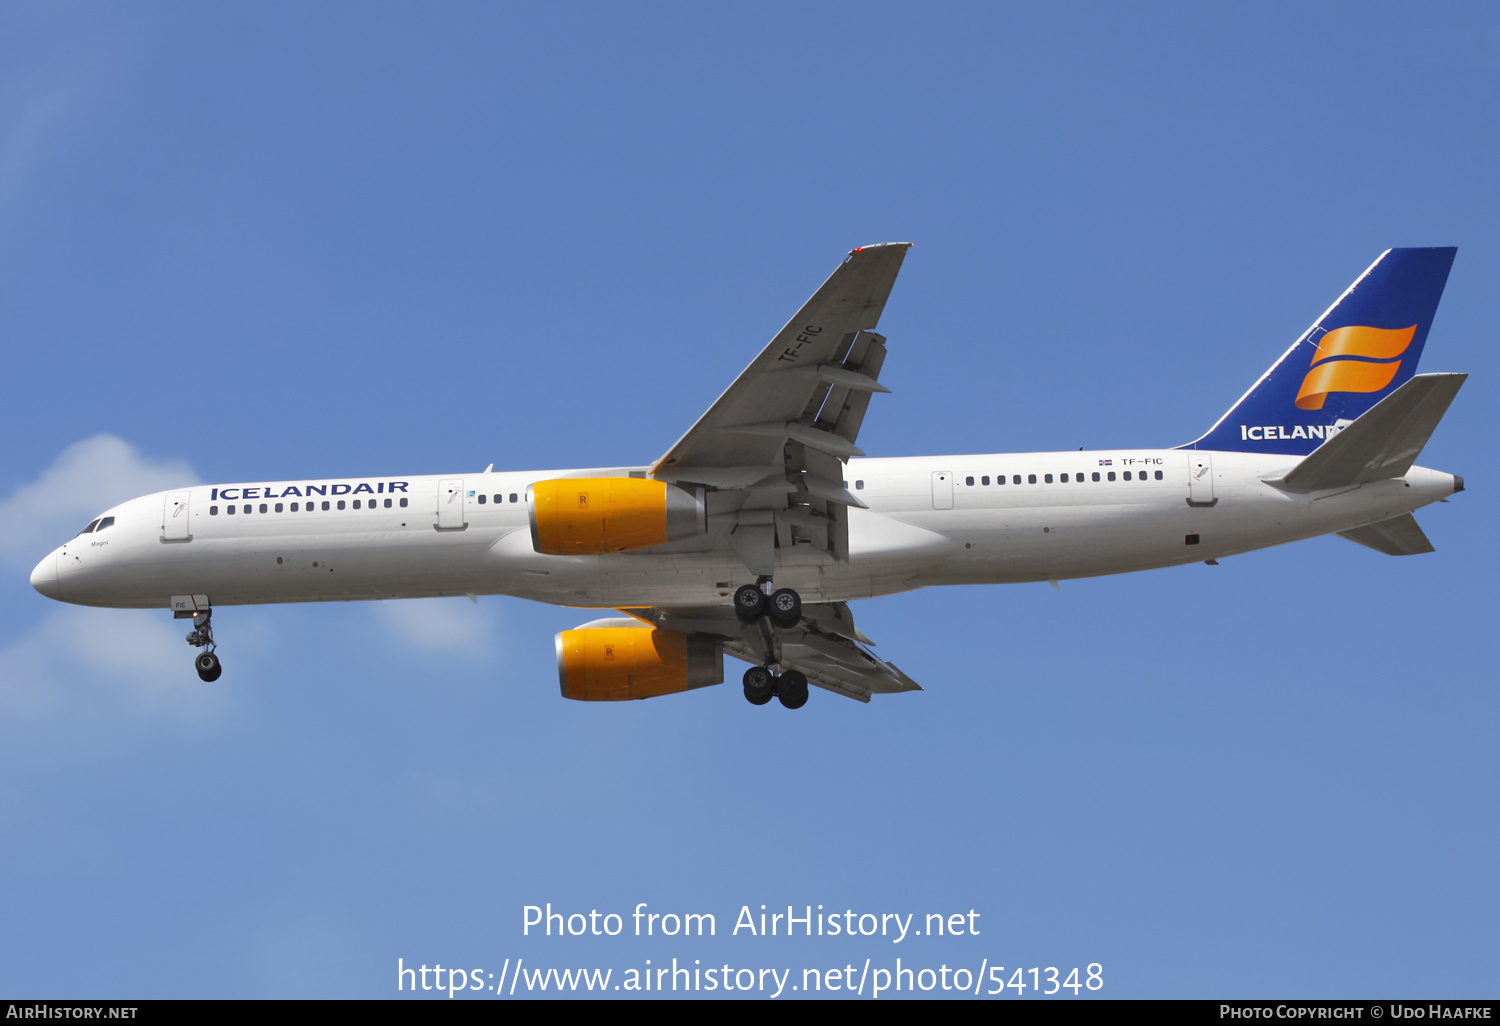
(294, 507)
(859, 486)
(387, 503)
(1031, 479)
(263, 507)
(1015, 479)
(278, 507)
(1096, 475)
(229, 511)
(1127, 475)
(512, 498)
(356, 504)
(341, 504)
(969, 481)
(481, 500)
(213, 511)
(1048, 478)
(325, 505)
(248, 509)
(1064, 479)
(984, 480)
(403, 502)
(1111, 475)
(1158, 475)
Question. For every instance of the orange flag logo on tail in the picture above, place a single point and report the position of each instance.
(1341, 362)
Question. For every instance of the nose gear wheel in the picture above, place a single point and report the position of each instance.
(202, 636)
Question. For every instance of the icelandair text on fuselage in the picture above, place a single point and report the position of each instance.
(542, 921)
(340, 488)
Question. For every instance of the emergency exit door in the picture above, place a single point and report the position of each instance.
(942, 489)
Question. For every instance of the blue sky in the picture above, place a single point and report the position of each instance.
(274, 240)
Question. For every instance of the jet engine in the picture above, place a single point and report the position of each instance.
(613, 661)
(588, 516)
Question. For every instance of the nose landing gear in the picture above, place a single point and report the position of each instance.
(202, 636)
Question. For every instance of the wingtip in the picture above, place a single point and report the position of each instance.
(879, 245)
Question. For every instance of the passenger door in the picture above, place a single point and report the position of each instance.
(175, 524)
(451, 505)
(1200, 479)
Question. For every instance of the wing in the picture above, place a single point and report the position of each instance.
(772, 446)
(825, 646)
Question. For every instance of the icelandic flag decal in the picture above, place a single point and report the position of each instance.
(1106, 463)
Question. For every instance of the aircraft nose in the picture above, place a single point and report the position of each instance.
(44, 577)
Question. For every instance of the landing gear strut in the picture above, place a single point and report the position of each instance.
(202, 636)
(780, 608)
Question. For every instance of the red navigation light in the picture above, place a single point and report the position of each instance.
(856, 249)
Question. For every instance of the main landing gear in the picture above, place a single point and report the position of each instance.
(761, 685)
(202, 636)
(781, 608)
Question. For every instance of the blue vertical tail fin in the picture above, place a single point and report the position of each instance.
(1365, 346)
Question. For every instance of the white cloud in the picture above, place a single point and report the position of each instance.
(452, 625)
(85, 479)
(105, 661)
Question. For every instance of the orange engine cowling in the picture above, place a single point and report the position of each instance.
(587, 516)
(607, 661)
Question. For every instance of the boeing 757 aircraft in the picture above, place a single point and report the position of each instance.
(751, 534)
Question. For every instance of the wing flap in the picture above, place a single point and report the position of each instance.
(826, 647)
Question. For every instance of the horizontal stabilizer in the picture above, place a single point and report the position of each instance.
(1398, 536)
(1382, 443)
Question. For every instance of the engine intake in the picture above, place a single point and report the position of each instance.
(589, 516)
(608, 662)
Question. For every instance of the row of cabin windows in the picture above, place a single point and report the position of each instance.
(213, 511)
(1109, 475)
(514, 497)
(98, 525)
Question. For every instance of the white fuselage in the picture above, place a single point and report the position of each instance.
(926, 525)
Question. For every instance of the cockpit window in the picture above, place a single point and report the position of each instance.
(106, 522)
(89, 529)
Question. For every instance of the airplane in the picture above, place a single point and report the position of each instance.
(750, 536)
